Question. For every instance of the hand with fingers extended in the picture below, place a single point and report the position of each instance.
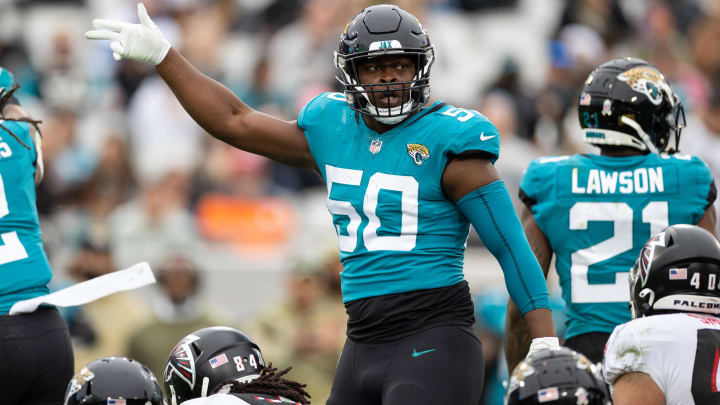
(142, 42)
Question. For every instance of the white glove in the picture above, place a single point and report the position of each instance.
(142, 42)
(543, 343)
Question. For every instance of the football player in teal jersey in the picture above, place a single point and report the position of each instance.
(36, 359)
(595, 212)
(404, 181)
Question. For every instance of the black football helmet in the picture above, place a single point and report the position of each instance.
(628, 102)
(556, 377)
(206, 358)
(678, 270)
(385, 30)
(114, 378)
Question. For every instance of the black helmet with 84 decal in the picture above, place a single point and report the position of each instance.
(207, 357)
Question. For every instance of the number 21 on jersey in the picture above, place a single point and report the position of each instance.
(621, 215)
(406, 185)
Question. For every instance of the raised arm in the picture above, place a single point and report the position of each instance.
(213, 106)
(517, 337)
(224, 116)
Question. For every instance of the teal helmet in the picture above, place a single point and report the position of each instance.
(6, 80)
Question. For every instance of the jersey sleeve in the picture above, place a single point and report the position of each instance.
(626, 353)
(706, 186)
(314, 119)
(477, 135)
(531, 185)
(22, 133)
(537, 190)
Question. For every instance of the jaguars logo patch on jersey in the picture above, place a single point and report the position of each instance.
(418, 152)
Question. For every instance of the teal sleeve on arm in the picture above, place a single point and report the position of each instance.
(491, 212)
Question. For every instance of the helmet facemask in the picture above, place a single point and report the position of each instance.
(414, 93)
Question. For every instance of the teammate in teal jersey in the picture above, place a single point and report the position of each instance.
(36, 359)
(404, 183)
(595, 212)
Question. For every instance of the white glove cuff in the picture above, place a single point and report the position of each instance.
(542, 343)
(160, 56)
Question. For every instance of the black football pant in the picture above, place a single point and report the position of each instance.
(36, 358)
(592, 345)
(442, 365)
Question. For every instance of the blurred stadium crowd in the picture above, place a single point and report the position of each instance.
(237, 239)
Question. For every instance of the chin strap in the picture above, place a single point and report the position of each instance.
(644, 136)
(385, 115)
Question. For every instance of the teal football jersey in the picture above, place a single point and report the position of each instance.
(597, 212)
(24, 267)
(397, 231)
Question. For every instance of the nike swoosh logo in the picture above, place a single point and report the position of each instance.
(485, 138)
(418, 354)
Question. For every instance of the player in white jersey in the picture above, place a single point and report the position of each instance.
(669, 353)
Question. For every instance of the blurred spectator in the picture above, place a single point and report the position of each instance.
(67, 163)
(236, 207)
(307, 330)
(102, 327)
(110, 184)
(702, 137)
(573, 56)
(155, 223)
(605, 17)
(159, 127)
(176, 311)
(509, 80)
(498, 107)
(301, 53)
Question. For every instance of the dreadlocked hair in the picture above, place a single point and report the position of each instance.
(5, 97)
(270, 382)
